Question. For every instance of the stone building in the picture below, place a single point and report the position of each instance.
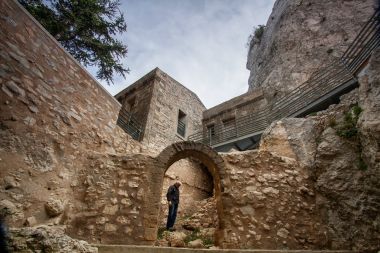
(222, 124)
(167, 111)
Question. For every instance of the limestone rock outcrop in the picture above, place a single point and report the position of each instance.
(347, 170)
(46, 239)
(54, 207)
(293, 138)
(343, 147)
(369, 121)
(203, 217)
(176, 239)
(301, 36)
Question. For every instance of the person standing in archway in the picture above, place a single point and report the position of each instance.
(172, 197)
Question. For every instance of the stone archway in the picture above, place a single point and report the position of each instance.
(210, 158)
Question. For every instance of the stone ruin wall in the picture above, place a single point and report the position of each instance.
(53, 116)
(270, 204)
(300, 37)
(267, 201)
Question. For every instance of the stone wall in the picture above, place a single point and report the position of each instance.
(238, 106)
(301, 36)
(137, 97)
(235, 108)
(53, 115)
(223, 122)
(271, 204)
(119, 201)
(115, 203)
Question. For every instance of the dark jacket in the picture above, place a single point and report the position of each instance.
(173, 194)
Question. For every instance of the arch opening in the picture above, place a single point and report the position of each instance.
(212, 166)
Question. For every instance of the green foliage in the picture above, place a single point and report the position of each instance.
(259, 31)
(256, 36)
(207, 241)
(85, 28)
(348, 128)
(160, 233)
(192, 236)
(356, 110)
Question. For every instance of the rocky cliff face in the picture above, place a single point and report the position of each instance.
(301, 36)
(340, 148)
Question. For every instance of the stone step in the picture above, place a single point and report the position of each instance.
(148, 249)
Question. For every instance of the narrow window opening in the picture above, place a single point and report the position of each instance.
(181, 127)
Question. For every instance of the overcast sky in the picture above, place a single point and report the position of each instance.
(200, 43)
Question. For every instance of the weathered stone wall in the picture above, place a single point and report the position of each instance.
(236, 108)
(137, 97)
(221, 122)
(301, 36)
(53, 114)
(271, 204)
(119, 202)
(168, 98)
(116, 202)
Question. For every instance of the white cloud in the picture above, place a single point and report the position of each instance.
(200, 43)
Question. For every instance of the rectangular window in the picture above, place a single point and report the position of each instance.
(181, 127)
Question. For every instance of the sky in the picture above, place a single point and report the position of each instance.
(200, 43)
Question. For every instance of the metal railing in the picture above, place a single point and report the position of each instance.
(130, 124)
(322, 82)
